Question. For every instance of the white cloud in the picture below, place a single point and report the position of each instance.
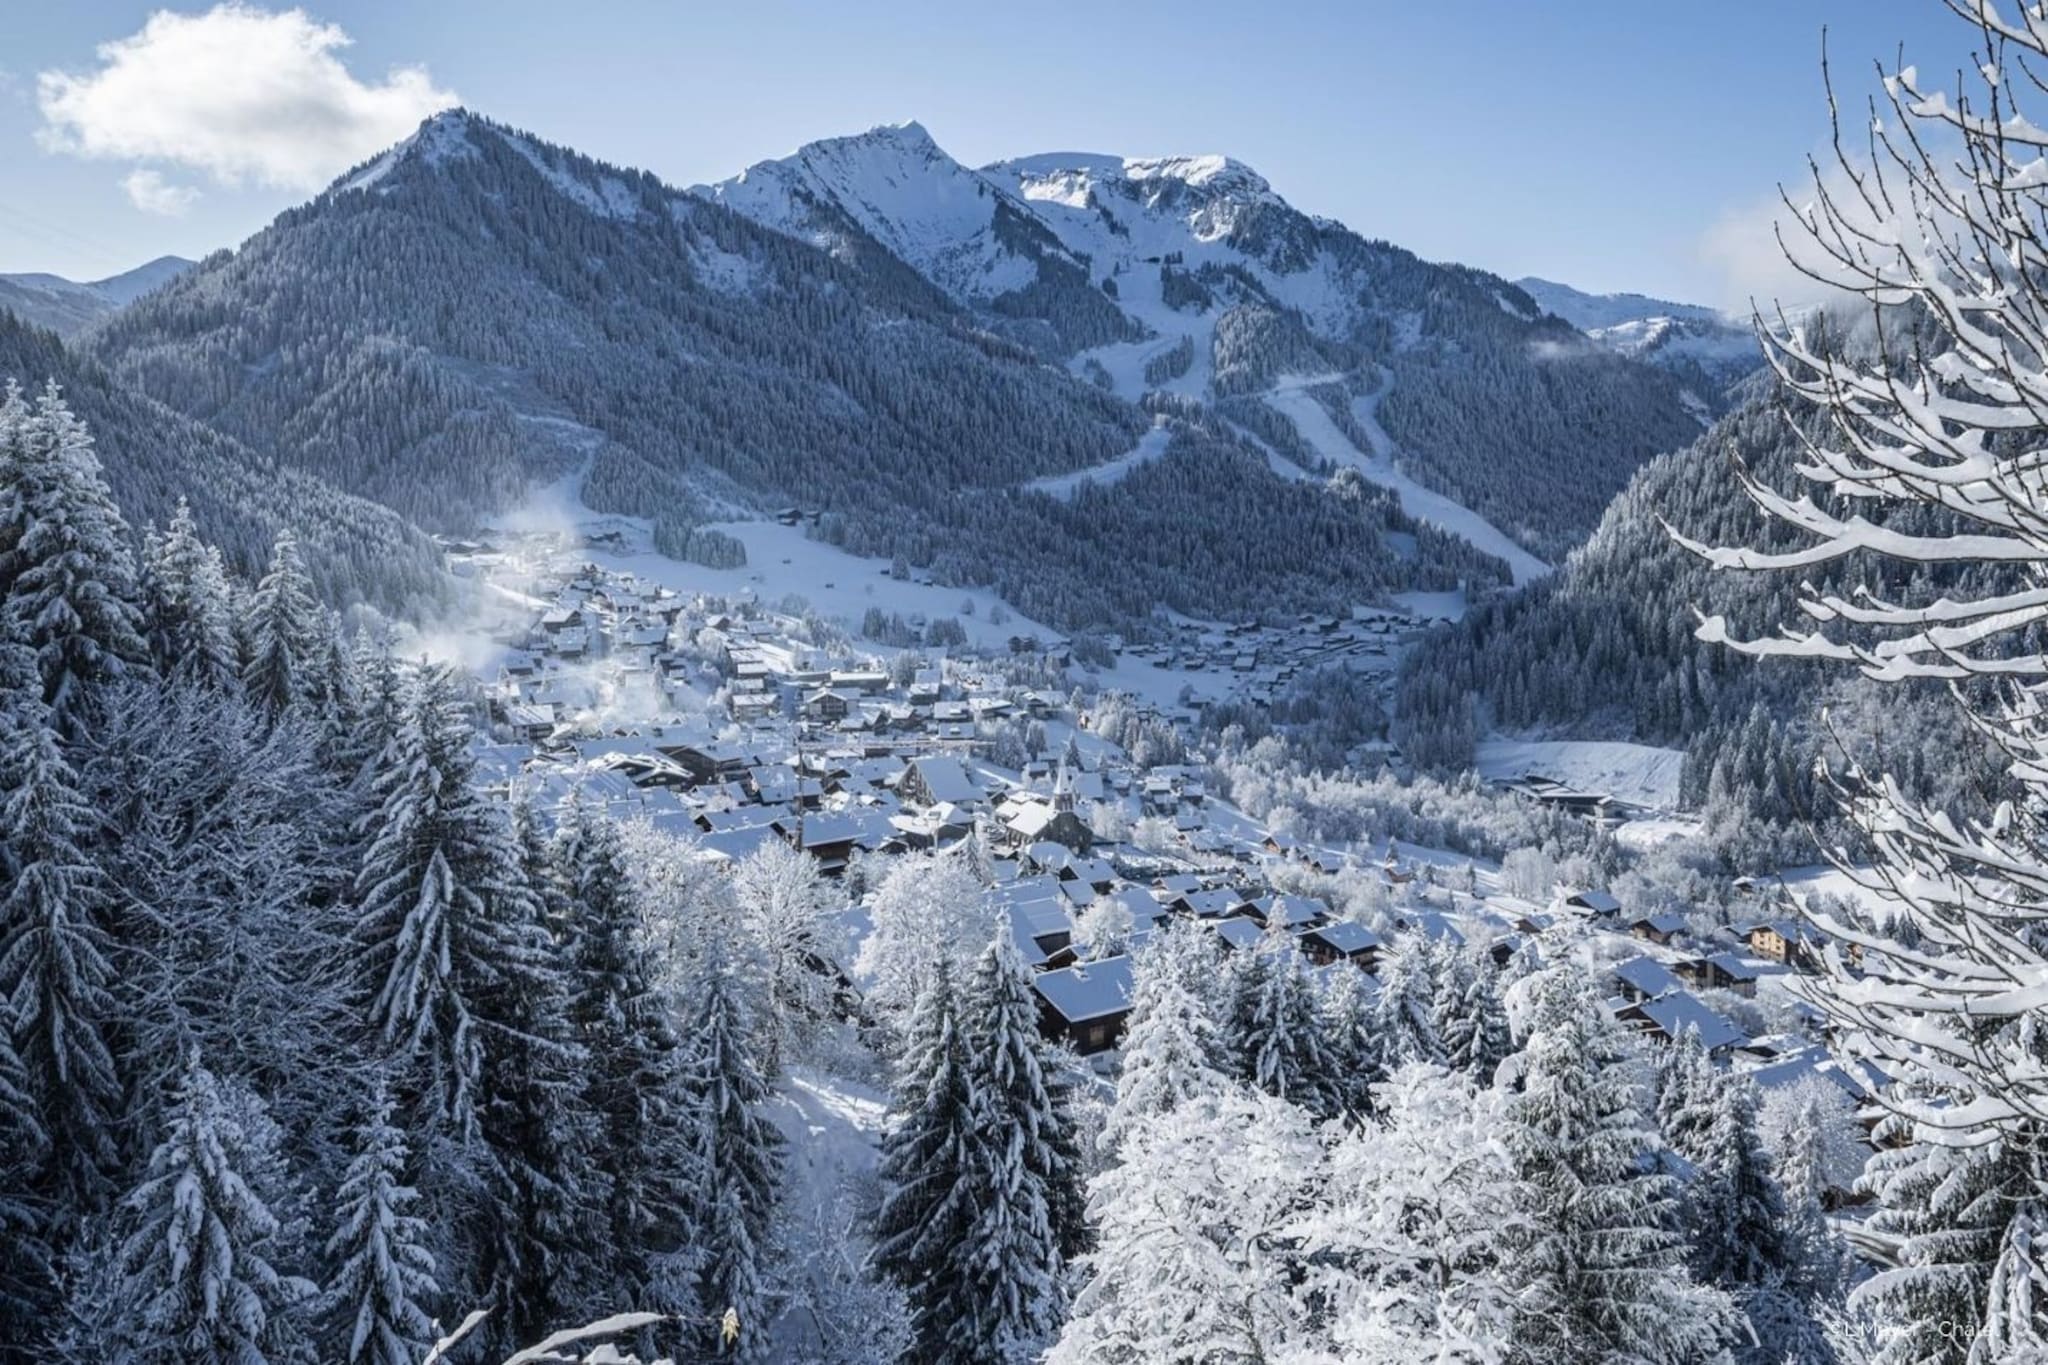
(237, 93)
(150, 192)
(1743, 246)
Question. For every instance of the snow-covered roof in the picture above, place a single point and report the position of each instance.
(1348, 937)
(1093, 990)
(1681, 1010)
(945, 780)
(1650, 977)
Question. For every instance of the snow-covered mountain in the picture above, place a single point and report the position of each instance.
(1190, 276)
(1705, 348)
(67, 306)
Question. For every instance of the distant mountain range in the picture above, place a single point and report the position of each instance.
(66, 307)
(1102, 385)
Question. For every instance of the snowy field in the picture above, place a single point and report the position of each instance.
(1636, 773)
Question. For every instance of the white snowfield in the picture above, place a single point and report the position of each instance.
(1290, 397)
(1637, 773)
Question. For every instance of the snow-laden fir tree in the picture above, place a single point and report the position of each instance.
(1351, 1032)
(1470, 1020)
(738, 1158)
(189, 607)
(925, 1152)
(636, 1083)
(1197, 1230)
(25, 1275)
(1406, 1002)
(286, 631)
(1284, 1039)
(56, 972)
(1404, 1252)
(445, 917)
(1024, 1176)
(67, 578)
(198, 1244)
(1170, 1049)
(380, 1291)
(1926, 472)
(1734, 1208)
(1597, 1257)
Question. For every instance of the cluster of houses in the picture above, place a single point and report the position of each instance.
(1259, 661)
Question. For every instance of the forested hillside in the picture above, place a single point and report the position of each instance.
(354, 549)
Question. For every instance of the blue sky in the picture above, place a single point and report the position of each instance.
(1610, 145)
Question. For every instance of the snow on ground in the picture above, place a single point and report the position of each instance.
(1641, 835)
(1636, 773)
(1150, 447)
(1291, 398)
(1433, 606)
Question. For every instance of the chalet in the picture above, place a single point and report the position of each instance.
(1085, 1004)
(825, 706)
(1292, 912)
(1720, 971)
(831, 839)
(1643, 978)
(1221, 903)
(1598, 904)
(709, 762)
(932, 780)
(1038, 821)
(1657, 928)
(1093, 873)
(1342, 941)
(1669, 1016)
(1238, 934)
(534, 721)
(1788, 942)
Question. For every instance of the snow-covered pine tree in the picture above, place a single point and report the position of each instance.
(1407, 993)
(25, 1273)
(1687, 1082)
(1734, 1209)
(925, 1151)
(189, 607)
(55, 969)
(1170, 1048)
(67, 579)
(1927, 471)
(1023, 1174)
(1597, 1254)
(377, 1301)
(1471, 1020)
(1285, 1039)
(197, 1245)
(636, 1083)
(286, 631)
(444, 914)
(739, 1157)
(1351, 1026)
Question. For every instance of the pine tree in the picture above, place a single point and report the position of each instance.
(1687, 1083)
(1734, 1208)
(285, 632)
(445, 916)
(739, 1157)
(67, 580)
(1351, 1025)
(1023, 1174)
(198, 1243)
(189, 607)
(55, 968)
(636, 1083)
(1407, 995)
(1598, 1254)
(1285, 1039)
(376, 1298)
(1170, 1046)
(925, 1151)
(1472, 1022)
(25, 1274)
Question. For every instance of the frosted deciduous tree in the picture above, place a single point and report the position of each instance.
(929, 909)
(785, 911)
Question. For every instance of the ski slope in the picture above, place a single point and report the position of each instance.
(1064, 486)
(1290, 398)
(1637, 773)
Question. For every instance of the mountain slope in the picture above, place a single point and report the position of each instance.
(1220, 290)
(67, 307)
(1705, 350)
(475, 310)
(355, 550)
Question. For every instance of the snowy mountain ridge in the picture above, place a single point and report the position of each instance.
(65, 306)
